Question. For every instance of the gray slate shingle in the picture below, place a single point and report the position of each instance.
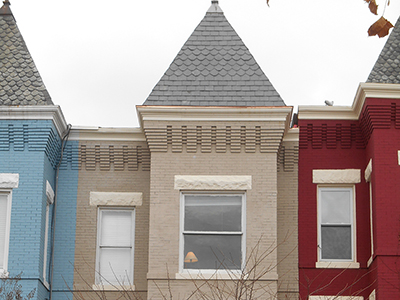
(214, 68)
(20, 81)
(387, 67)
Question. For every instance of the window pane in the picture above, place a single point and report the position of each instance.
(336, 206)
(214, 251)
(3, 217)
(213, 213)
(115, 266)
(336, 242)
(116, 228)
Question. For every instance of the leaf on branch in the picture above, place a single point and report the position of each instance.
(380, 28)
(373, 7)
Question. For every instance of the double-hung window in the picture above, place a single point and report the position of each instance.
(212, 231)
(336, 223)
(5, 215)
(115, 247)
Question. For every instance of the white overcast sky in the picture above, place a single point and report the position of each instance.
(99, 59)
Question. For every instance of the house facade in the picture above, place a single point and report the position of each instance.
(201, 198)
(348, 203)
(218, 192)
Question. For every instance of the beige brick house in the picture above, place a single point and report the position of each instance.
(219, 194)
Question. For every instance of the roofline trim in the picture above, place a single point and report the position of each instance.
(292, 135)
(364, 91)
(213, 113)
(37, 112)
(107, 134)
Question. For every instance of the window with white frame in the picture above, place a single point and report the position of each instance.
(5, 216)
(212, 231)
(115, 246)
(49, 202)
(336, 223)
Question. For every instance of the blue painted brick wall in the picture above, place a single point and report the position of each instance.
(66, 222)
(31, 149)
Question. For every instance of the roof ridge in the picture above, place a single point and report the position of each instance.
(215, 8)
(5, 9)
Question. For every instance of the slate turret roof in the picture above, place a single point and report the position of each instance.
(20, 81)
(387, 67)
(214, 68)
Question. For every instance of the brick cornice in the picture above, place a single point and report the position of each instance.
(192, 129)
(39, 112)
(219, 139)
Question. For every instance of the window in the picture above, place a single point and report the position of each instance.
(212, 231)
(50, 201)
(115, 246)
(336, 224)
(8, 181)
(5, 214)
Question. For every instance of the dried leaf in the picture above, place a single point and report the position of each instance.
(268, 2)
(380, 28)
(373, 7)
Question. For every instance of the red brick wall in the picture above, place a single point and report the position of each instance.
(330, 144)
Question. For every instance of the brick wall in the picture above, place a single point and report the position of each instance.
(29, 148)
(210, 148)
(111, 167)
(288, 285)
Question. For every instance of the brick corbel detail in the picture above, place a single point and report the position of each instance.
(207, 139)
(113, 157)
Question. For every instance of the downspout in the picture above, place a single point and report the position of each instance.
(53, 221)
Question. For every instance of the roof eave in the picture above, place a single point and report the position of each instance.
(214, 113)
(364, 91)
(37, 112)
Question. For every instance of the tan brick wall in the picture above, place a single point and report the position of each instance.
(288, 284)
(172, 154)
(110, 174)
(182, 289)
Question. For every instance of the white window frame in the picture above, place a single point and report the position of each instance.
(50, 201)
(208, 273)
(8, 194)
(337, 263)
(368, 178)
(8, 181)
(99, 283)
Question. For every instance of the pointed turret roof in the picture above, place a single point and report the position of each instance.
(387, 67)
(214, 68)
(20, 81)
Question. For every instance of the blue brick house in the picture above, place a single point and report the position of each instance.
(33, 132)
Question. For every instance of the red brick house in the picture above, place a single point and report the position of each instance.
(349, 195)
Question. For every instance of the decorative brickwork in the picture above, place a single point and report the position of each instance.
(288, 157)
(331, 136)
(111, 157)
(221, 139)
(70, 157)
(379, 117)
(31, 136)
